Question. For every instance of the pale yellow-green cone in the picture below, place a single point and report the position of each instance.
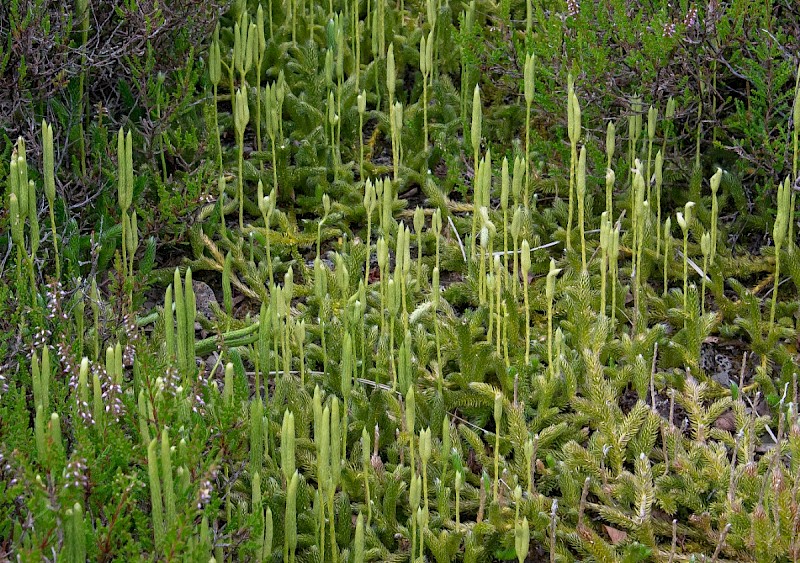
(287, 445)
(518, 178)
(477, 119)
(611, 135)
(529, 77)
(391, 76)
(715, 181)
(522, 539)
(652, 118)
(550, 286)
(49, 163)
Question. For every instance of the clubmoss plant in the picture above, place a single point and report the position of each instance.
(581, 197)
(652, 120)
(498, 416)
(667, 252)
(498, 274)
(436, 228)
(124, 187)
(258, 430)
(335, 471)
(466, 33)
(410, 419)
(705, 248)
(358, 552)
(459, 483)
(640, 214)
(634, 132)
(435, 301)
(41, 379)
(574, 133)
(156, 505)
(525, 266)
(300, 338)
(520, 169)
(550, 291)
(610, 176)
(505, 186)
(606, 230)
(530, 448)
(260, 50)
(269, 534)
(361, 101)
(414, 497)
(391, 79)
(425, 63)
(419, 223)
(516, 227)
(131, 241)
(339, 44)
(385, 189)
(185, 312)
(365, 465)
(522, 539)
(39, 426)
(168, 486)
(553, 521)
(272, 118)
(75, 535)
(658, 174)
(422, 523)
(288, 445)
(241, 118)
(48, 162)
(779, 232)
(715, 182)
(98, 406)
(475, 137)
(322, 440)
(333, 119)
(227, 390)
(379, 40)
(529, 89)
(290, 519)
(685, 221)
(425, 449)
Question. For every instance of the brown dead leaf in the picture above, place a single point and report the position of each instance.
(616, 536)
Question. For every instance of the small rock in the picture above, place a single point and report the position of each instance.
(204, 297)
(726, 422)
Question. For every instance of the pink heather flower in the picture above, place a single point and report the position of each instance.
(55, 295)
(206, 488)
(198, 405)
(690, 20)
(573, 7)
(171, 381)
(75, 474)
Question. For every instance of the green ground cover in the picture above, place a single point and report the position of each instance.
(408, 281)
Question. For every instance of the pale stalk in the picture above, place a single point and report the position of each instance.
(525, 259)
(581, 196)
